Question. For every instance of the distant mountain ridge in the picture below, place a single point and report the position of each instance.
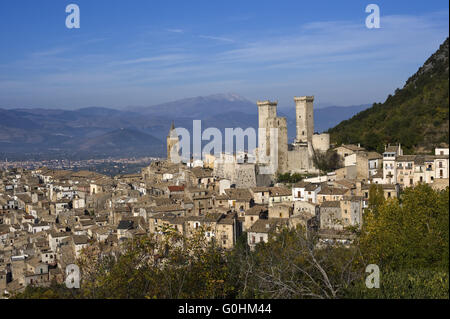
(200, 106)
(100, 131)
(416, 115)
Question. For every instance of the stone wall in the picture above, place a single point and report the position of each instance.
(245, 176)
(321, 142)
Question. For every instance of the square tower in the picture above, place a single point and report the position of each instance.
(266, 110)
(173, 145)
(304, 118)
(281, 142)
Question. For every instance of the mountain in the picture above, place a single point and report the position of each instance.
(98, 131)
(417, 115)
(200, 106)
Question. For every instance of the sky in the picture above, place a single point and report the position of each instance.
(144, 52)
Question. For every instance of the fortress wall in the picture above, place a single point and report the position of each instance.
(321, 142)
(245, 176)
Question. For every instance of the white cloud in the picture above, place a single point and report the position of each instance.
(175, 30)
(209, 37)
(160, 58)
(321, 57)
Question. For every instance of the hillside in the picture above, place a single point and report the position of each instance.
(416, 115)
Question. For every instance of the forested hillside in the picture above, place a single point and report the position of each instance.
(416, 115)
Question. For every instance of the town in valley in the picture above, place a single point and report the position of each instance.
(48, 216)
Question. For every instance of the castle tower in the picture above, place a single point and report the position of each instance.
(281, 142)
(266, 110)
(172, 144)
(304, 118)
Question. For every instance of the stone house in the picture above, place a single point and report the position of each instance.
(279, 195)
(254, 213)
(261, 195)
(36, 272)
(262, 229)
(332, 194)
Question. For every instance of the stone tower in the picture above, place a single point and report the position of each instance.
(269, 123)
(266, 110)
(281, 142)
(172, 144)
(304, 119)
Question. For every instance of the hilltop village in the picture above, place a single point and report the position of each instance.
(47, 216)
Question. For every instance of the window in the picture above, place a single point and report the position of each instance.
(440, 164)
(441, 173)
(261, 239)
(389, 194)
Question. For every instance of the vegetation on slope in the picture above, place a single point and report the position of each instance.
(416, 115)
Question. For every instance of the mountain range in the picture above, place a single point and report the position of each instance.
(96, 132)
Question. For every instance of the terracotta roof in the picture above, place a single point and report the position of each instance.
(311, 187)
(280, 191)
(333, 191)
(239, 194)
(256, 210)
(267, 225)
(301, 184)
(176, 188)
(353, 147)
(406, 158)
(374, 155)
(80, 239)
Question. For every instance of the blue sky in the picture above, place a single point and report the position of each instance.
(143, 52)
